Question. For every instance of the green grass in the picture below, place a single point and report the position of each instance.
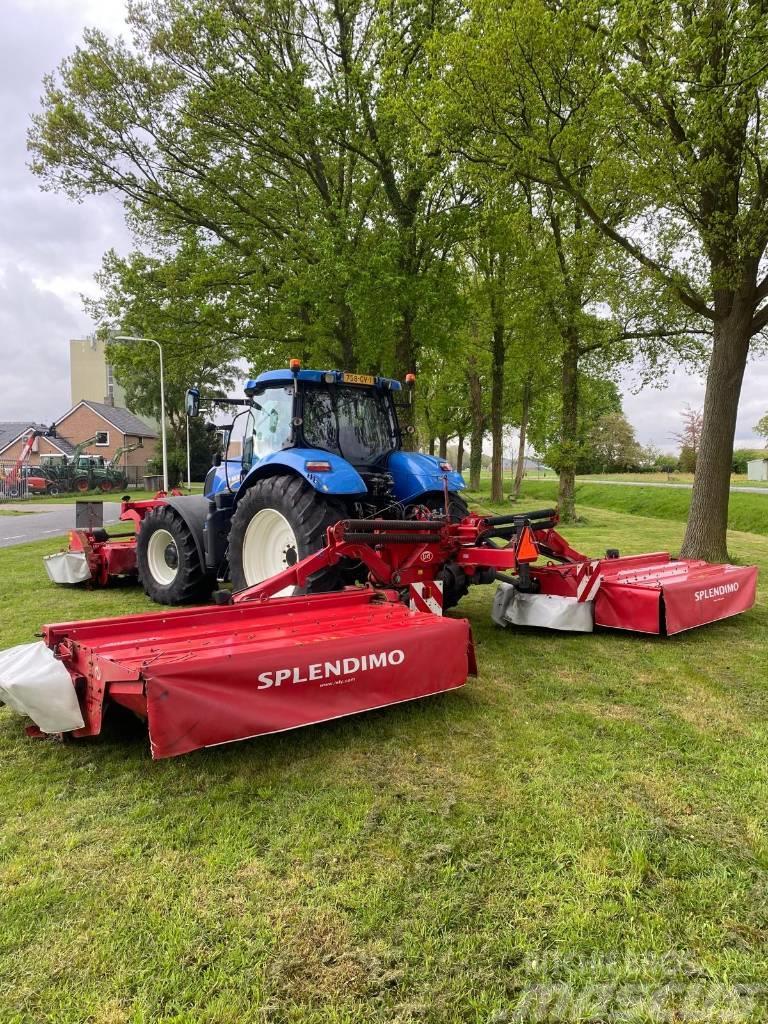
(68, 499)
(747, 512)
(578, 831)
(737, 479)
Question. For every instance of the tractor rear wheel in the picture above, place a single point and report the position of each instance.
(168, 561)
(279, 521)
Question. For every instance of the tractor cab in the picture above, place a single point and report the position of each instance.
(338, 430)
(349, 414)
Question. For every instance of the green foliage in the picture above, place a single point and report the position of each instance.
(598, 397)
(688, 459)
(761, 427)
(611, 445)
(742, 456)
(204, 444)
(270, 162)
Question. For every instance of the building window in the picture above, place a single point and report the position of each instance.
(110, 384)
(102, 438)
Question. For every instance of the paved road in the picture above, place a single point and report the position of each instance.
(685, 487)
(44, 521)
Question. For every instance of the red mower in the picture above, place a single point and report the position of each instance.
(254, 663)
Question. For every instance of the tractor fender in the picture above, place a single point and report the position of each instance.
(192, 509)
(415, 474)
(341, 479)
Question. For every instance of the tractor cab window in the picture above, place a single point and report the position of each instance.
(269, 428)
(354, 422)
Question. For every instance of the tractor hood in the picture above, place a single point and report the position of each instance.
(415, 474)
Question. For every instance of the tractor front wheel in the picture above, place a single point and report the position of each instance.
(169, 564)
(279, 521)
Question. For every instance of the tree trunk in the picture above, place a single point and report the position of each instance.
(706, 532)
(497, 413)
(460, 453)
(405, 362)
(443, 446)
(477, 430)
(431, 446)
(569, 427)
(524, 414)
(345, 334)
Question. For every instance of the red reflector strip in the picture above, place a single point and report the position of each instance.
(317, 467)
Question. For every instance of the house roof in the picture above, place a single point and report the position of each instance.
(121, 419)
(12, 430)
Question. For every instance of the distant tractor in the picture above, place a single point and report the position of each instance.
(318, 446)
(80, 472)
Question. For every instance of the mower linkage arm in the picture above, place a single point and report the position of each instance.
(397, 552)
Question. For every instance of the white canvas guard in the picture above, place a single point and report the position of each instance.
(34, 683)
(67, 567)
(543, 610)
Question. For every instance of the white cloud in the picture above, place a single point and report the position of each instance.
(50, 248)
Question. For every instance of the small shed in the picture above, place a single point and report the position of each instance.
(757, 469)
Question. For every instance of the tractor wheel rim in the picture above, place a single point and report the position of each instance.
(163, 557)
(269, 546)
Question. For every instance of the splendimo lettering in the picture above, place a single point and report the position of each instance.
(322, 670)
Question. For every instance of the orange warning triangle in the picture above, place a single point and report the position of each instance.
(526, 547)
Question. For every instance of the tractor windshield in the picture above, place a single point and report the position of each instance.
(269, 428)
(355, 422)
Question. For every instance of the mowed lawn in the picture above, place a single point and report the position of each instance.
(579, 834)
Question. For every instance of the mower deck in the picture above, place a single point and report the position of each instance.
(652, 593)
(205, 676)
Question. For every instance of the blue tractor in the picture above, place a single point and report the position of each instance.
(318, 446)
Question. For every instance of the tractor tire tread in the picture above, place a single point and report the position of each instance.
(192, 582)
(312, 514)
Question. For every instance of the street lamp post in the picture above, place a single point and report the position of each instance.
(189, 461)
(129, 338)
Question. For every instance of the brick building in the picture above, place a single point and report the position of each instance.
(111, 427)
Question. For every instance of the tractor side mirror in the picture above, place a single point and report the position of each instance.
(192, 402)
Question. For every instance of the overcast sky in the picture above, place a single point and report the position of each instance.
(50, 247)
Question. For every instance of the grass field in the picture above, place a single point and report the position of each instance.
(577, 835)
(737, 479)
(67, 499)
(747, 512)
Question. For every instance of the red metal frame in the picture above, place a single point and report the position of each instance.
(650, 593)
(110, 557)
(211, 675)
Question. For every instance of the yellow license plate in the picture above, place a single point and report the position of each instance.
(357, 378)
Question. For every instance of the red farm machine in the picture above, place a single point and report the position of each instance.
(331, 553)
(255, 663)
